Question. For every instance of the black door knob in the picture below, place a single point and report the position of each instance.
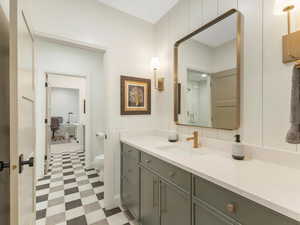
(22, 163)
(4, 165)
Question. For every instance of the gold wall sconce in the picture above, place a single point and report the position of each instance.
(158, 81)
(290, 41)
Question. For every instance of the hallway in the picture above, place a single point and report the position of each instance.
(73, 195)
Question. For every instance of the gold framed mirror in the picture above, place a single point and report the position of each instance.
(207, 71)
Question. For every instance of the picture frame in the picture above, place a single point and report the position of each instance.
(135, 96)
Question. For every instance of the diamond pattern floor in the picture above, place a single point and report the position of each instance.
(73, 195)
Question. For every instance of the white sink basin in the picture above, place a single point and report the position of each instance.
(183, 147)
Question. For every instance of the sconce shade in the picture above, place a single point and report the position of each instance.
(155, 63)
(281, 5)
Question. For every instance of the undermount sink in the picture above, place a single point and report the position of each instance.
(182, 146)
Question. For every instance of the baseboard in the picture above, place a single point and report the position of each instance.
(115, 203)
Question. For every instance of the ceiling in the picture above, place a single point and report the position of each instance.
(149, 10)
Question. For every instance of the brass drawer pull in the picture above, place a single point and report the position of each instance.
(231, 208)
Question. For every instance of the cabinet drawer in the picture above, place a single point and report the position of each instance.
(130, 152)
(237, 207)
(168, 171)
(203, 215)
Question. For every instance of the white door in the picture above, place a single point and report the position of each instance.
(22, 116)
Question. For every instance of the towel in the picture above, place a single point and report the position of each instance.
(293, 135)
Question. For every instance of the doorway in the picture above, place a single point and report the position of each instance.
(72, 190)
(66, 115)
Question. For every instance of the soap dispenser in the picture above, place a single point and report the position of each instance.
(237, 149)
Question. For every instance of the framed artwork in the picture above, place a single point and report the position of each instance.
(135, 96)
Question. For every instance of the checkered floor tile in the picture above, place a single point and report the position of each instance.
(73, 195)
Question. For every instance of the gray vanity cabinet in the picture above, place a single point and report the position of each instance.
(204, 215)
(158, 193)
(234, 206)
(149, 198)
(165, 193)
(175, 205)
(130, 179)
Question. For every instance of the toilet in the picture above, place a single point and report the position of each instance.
(99, 163)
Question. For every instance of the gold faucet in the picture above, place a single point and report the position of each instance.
(195, 138)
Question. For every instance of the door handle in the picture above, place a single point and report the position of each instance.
(163, 208)
(22, 163)
(84, 106)
(4, 165)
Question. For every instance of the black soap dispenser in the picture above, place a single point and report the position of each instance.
(238, 152)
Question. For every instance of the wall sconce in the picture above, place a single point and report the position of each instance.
(158, 82)
(291, 47)
(287, 6)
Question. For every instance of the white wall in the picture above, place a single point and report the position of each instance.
(266, 82)
(56, 58)
(129, 48)
(5, 6)
(63, 101)
(224, 57)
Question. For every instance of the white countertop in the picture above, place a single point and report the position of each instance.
(271, 185)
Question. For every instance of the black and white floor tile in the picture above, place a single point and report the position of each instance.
(73, 195)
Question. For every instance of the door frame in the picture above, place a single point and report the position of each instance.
(110, 200)
(86, 139)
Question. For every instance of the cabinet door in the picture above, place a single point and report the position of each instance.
(130, 184)
(125, 189)
(149, 198)
(204, 216)
(133, 188)
(175, 206)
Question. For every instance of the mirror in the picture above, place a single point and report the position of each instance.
(207, 75)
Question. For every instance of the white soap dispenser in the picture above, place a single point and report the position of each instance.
(238, 152)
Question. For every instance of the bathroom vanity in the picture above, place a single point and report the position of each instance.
(159, 188)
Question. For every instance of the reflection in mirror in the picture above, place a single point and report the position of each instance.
(208, 71)
(198, 98)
